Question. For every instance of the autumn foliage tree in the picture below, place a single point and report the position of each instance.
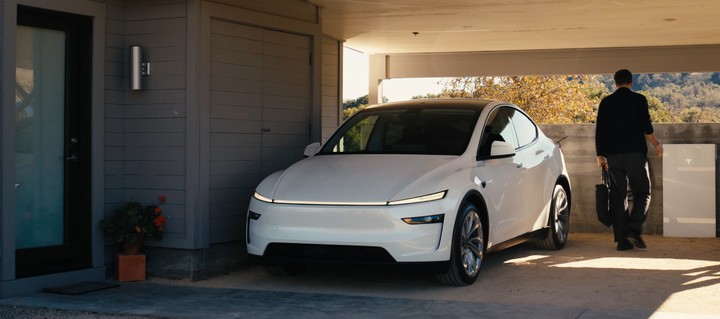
(547, 99)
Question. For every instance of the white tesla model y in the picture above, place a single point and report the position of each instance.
(435, 182)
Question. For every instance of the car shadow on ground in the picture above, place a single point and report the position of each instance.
(671, 275)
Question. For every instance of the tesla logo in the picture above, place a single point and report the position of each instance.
(689, 161)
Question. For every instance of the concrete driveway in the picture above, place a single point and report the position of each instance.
(672, 278)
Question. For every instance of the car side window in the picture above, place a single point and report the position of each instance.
(357, 137)
(497, 128)
(525, 128)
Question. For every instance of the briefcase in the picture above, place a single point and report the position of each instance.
(602, 199)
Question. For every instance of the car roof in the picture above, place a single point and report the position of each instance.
(474, 104)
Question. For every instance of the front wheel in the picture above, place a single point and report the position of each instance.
(559, 221)
(468, 248)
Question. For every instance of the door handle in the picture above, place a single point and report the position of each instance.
(72, 158)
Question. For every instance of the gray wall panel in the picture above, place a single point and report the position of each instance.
(164, 153)
(235, 167)
(176, 139)
(158, 182)
(156, 125)
(236, 71)
(330, 100)
(259, 115)
(235, 126)
(154, 167)
(234, 154)
(228, 210)
(235, 98)
(147, 128)
(236, 113)
(155, 110)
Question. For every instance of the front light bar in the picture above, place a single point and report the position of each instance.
(420, 199)
(414, 200)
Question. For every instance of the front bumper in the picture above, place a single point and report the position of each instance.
(353, 227)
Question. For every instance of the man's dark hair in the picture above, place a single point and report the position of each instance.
(623, 77)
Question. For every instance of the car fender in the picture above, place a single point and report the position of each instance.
(458, 196)
(269, 184)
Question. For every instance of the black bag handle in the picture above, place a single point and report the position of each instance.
(606, 176)
(604, 179)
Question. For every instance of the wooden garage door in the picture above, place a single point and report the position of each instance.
(259, 115)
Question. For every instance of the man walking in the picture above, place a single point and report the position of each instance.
(623, 125)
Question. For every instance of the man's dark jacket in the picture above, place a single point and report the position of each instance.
(623, 121)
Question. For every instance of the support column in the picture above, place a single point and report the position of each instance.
(378, 73)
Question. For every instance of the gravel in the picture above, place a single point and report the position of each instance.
(22, 312)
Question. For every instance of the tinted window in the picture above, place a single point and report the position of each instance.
(405, 131)
(525, 128)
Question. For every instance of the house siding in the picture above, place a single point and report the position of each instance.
(145, 143)
(259, 115)
(331, 70)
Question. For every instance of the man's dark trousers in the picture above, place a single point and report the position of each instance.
(632, 168)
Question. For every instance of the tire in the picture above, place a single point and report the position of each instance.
(283, 270)
(559, 221)
(468, 248)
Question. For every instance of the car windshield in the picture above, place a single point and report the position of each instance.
(436, 131)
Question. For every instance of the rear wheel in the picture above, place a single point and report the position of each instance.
(559, 222)
(468, 248)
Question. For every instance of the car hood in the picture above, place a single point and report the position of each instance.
(359, 178)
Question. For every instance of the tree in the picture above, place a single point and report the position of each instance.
(351, 107)
(547, 99)
(363, 100)
(351, 111)
(700, 115)
(658, 112)
(426, 96)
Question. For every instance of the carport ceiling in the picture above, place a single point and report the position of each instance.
(383, 26)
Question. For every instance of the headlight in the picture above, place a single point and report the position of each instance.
(262, 198)
(431, 219)
(419, 199)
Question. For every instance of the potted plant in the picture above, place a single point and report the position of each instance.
(133, 222)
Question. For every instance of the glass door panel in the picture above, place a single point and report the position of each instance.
(40, 135)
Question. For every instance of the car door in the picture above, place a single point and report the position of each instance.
(535, 156)
(501, 179)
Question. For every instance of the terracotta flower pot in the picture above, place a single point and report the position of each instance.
(132, 248)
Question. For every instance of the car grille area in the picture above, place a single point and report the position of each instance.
(327, 253)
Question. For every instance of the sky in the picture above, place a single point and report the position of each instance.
(355, 80)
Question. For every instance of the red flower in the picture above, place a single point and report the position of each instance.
(159, 221)
(157, 210)
(162, 198)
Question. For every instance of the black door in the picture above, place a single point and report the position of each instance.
(52, 142)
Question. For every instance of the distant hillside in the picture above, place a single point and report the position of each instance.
(677, 91)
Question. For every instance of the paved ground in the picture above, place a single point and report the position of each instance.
(673, 278)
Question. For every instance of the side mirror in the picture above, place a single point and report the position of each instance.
(312, 149)
(502, 149)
